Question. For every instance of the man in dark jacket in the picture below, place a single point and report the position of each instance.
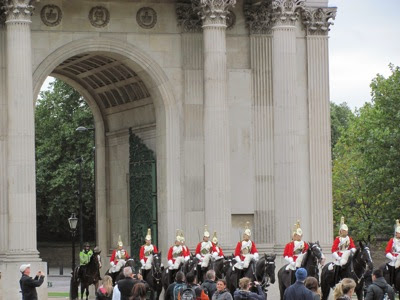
(379, 287)
(126, 285)
(209, 285)
(29, 285)
(298, 291)
(180, 281)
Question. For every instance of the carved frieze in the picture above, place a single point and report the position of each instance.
(215, 11)
(99, 16)
(146, 17)
(2, 15)
(17, 10)
(51, 15)
(286, 12)
(316, 20)
(188, 17)
(258, 17)
(230, 20)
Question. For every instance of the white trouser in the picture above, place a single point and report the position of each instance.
(147, 265)
(205, 261)
(178, 261)
(245, 263)
(118, 266)
(343, 259)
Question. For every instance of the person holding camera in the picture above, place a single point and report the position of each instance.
(29, 284)
(244, 292)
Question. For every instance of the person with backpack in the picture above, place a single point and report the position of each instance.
(244, 292)
(193, 291)
(379, 289)
(209, 285)
(176, 287)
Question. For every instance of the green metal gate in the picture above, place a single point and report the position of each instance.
(143, 193)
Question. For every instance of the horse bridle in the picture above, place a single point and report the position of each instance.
(263, 281)
(366, 248)
(153, 268)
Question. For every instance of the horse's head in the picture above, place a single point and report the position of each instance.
(316, 251)
(270, 266)
(156, 264)
(227, 264)
(365, 255)
(130, 263)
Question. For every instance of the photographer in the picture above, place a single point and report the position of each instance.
(244, 292)
(28, 284)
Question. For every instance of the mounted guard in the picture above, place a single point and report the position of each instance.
(205, 249)
(392, 253)
(217, 252)
(176, 253)
(118, 257)
(146, 253)
(294, 251)
(84, 257)
(245, 250)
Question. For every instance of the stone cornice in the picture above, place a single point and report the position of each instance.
(316, 19)
(286, 12)
(214, 12)
(258, 17)
(18, 10)
(188, 17)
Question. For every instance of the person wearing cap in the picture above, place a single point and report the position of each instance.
(28, 284)
(84, 258)
(204, 249)
(118, 257)
(245, 250)
(295, 250)
(217, 252)
(146, 253)
(392, 252)
(343, 246)
(298, 291)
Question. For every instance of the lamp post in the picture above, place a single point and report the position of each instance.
(73, 222)
(79, 161)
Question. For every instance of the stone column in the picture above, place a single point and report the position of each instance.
(286, 132)
(316, 21)
(21, 134)
(257, 17)
(216, 126)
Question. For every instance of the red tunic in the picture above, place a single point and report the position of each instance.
(238, 250)
(218, 250)
(289, 250)
(335, 246)
(186, 251)
(389, 248)
(141, 253)
(114, 254)
(198, 249)
(170, 256)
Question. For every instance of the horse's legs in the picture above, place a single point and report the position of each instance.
(87, 292)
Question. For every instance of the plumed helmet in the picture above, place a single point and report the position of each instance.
(342, 225)
(120, 244)
(182, 236)
(397, 226)
(148, 236)
(215, 239)
(178, 236)
(206, 233)
(247, 230)
(296, 229)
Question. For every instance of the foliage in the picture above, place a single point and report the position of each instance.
(366, 172)
(341, 115)
(59, 111)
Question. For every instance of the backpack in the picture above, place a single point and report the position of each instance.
(385, 293)
(188, 294)
(178, 288)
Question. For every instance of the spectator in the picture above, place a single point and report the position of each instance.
(105, 291)
(297, 291)
(221, 293)
(244, 292)
(379, 287)
(116, 293)
(125, 286)
(139, 292)
(209, 285)
(312, 284)
(344, 289)
(191, 284)
(29, 285)
(177, 286)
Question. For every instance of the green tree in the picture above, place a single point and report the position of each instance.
(366, 172)
(341, 115)
(59, 111)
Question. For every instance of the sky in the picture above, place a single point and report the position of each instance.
(364, 39)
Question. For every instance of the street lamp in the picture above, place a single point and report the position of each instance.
(79, 161)
(73, 222)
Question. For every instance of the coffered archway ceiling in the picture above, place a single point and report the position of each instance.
(110, 82)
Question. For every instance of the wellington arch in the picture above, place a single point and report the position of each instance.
(210, 112)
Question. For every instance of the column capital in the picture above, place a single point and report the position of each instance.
(286, 12)
(214, 12)
(188, 18)
(258, 17)
(316, 19)
(18, 10)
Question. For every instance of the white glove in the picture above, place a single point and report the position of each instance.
(335, 255)
(198, 257)
(187, 258)
(289, 259)
(256, 256)
(112, 264)
(238, 259)
(353, 250)
(293, 263)
(143, 262)
(215, 255)
(390, 256)
(170, 263)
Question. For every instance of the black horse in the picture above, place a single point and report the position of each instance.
(358, 265)
(86, 276)
(312, 257)
(168, 276)
(153, 277)
(262, 271)
(396, 277)
(129, 263)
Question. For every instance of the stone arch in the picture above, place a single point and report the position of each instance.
(167, 129)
